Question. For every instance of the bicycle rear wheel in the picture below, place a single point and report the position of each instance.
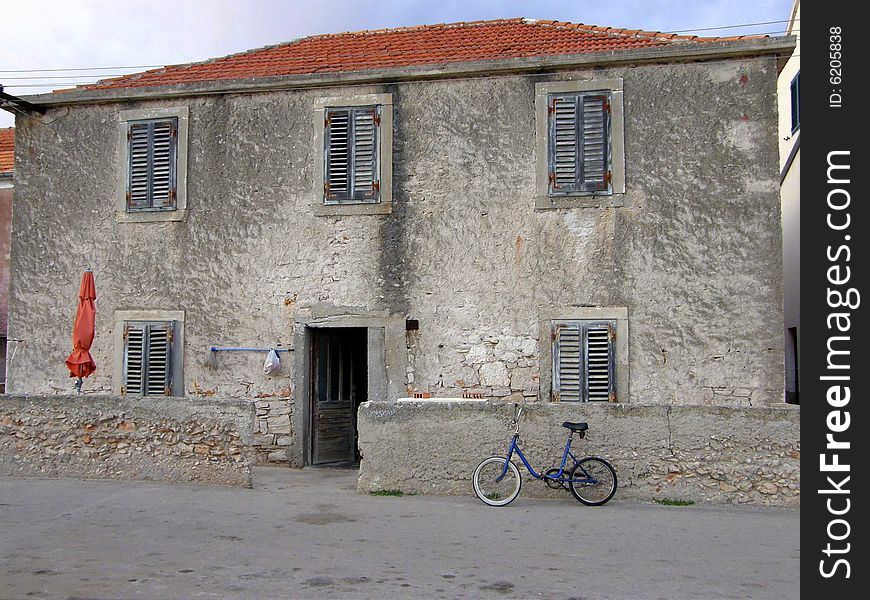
(489, 489)
(593, 481)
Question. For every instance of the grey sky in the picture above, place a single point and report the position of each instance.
(72, 34)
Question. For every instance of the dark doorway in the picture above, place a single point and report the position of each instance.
(339, 381)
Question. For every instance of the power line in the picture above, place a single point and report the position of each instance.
(732, 26)
(49, 85)
(57, 77)
(82, 69)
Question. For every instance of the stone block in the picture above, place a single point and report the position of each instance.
(494, 374)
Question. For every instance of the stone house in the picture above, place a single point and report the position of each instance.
(509, 209)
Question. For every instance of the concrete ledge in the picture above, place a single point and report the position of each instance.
(699, 453)
(115, 437)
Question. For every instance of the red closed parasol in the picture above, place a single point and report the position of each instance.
(80, 363)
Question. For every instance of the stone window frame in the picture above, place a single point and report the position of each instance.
(120, 317)
(385, 155)
(181, 115)
(613, 198)
(601, 313)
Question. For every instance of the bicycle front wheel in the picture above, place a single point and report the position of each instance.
(489, 488)
(593, 481)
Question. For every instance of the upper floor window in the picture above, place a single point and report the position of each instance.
(796, 102)
(351, 165)
(580, 143)
(355, 170)
(151, 152)
(578, 150)
(153, 173)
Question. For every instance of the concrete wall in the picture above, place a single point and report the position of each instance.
(791, 259)
(5, 243)
(693, 255)
(704, 454)
(105, 437)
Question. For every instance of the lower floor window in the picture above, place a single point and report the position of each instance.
(584, 360)
(147, 367)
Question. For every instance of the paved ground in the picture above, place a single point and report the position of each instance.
(309, 534)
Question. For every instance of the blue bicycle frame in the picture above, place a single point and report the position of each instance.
(560, 476)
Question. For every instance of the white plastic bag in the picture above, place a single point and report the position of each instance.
(272, 364)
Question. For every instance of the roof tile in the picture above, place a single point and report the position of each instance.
(7, 149)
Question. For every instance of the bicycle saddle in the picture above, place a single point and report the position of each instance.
(575, 426)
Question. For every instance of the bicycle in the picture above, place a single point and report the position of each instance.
(592, 480)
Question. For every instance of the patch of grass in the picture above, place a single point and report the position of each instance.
(396, 493)
(671, 502)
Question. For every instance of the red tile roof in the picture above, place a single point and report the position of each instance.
(7, 149)
(407, 47)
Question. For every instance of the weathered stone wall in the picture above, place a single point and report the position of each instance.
(704, 454)
(106, 437)
(693, 255)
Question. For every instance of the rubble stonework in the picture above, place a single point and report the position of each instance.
(698, 453)
(106, 437)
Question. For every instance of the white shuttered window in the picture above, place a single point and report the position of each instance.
(583, 361)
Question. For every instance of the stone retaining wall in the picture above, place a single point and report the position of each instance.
(698, 453)
(111, 437)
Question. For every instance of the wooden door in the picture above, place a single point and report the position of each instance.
(338, 386)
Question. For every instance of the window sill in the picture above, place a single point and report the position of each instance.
(361, 208)
(162, 216)
(585, 201)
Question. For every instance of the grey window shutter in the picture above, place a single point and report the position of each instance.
(795, 89)
(567, 362)
(134, 359)
(158, 373)
(138, 179)
(579, 140)
(595, 111)
(351, 166)
(148, 358)
(599, 362)
(366, 122)
(337, 148)
(151, 180)
(583, 361)
(564, 139)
